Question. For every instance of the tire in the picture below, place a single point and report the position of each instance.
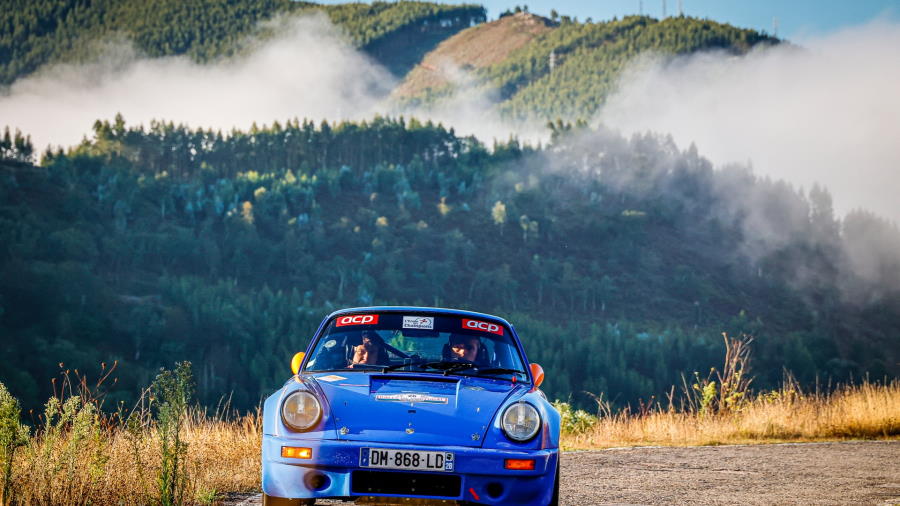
(269, 500)
(554, 501)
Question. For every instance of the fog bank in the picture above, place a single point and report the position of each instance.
(826, 110)
(307, 70)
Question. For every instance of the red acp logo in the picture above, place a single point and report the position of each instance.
(493, 328)
(357, 319)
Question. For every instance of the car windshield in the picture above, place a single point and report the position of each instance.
(415, 343)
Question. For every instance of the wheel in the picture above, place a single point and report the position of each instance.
(269, 500)
(554, 501)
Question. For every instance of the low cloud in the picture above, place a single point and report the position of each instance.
(306, 70)
(471, 109)
(826, 110)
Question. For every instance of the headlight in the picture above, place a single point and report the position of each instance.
(520, 421)
(301, 410)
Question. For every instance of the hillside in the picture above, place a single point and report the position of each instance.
(540, 69)
(547, 70)
(146, 246)
(39, 32)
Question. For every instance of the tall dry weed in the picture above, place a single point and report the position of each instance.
(80, 454)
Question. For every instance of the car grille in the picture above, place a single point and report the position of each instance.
(382, 482)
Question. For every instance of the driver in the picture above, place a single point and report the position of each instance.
(370, 352)
(463, 347)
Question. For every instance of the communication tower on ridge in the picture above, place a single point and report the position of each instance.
(775, 26)
(681, 7)
(664, 8)
(641, 7)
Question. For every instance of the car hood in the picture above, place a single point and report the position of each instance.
(426, 409)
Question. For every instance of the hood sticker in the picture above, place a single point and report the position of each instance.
(331, 377)
(418, 322)
(430, 399)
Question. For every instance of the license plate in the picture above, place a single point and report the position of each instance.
(386, 458)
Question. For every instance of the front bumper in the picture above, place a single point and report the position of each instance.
(329, 473)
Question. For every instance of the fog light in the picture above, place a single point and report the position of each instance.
(292, 452)
(520, 464)
(494, 490)
(316, 481)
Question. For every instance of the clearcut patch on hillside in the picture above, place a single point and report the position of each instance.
(473, 48)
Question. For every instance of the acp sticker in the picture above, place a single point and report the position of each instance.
(493, 328)
(418, 322)
(357, 319)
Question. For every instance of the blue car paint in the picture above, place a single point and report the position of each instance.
(473, 408)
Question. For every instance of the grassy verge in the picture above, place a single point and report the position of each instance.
(863, 411)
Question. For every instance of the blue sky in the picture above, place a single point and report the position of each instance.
(797, 19)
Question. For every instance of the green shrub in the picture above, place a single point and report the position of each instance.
(12, 435)
(574, 421)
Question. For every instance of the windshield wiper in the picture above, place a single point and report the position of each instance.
(448, 366)
(459, 367)
(403, 364)
(497, 370)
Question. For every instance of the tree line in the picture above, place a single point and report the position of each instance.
(147, 245)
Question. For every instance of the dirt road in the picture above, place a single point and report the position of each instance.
(828, 473)
(819, 473)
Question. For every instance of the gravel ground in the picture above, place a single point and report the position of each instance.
(806, 473)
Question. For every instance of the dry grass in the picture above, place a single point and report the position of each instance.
(113, 465)
(105, 463)
(79, 454)
(865, 411)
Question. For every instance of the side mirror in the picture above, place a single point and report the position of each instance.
(537, 372)
(296, 361)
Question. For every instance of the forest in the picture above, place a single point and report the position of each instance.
(588, 57)
(38, 32)
(619, 260)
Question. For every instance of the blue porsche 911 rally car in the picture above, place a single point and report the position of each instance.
(393, 403)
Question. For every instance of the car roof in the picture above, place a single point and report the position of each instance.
(418, 309)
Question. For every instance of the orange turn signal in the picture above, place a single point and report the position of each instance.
(519, 464)
(292, 452)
